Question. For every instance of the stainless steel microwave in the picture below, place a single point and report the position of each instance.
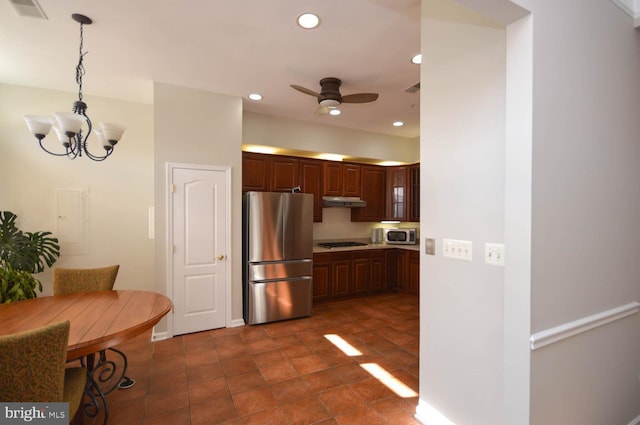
(401, 236)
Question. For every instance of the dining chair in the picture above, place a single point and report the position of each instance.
(70, 281)
(33, 368)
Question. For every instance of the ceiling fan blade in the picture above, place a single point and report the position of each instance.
(359, 98)
(305, 90)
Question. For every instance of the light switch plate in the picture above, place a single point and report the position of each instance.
(457, 249)
(494, 254)
(430, 246)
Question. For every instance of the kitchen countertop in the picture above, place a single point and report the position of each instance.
(318, 249)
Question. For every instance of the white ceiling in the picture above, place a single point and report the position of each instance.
(227, 46)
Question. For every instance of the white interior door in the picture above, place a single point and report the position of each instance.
(199, 226)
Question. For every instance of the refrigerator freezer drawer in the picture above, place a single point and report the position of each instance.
(280, 270)
(279, 300)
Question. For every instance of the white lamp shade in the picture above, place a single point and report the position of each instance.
(62, 137)
(103, 140)
(329, 103)
(112, 131)
(69, 122)
(38, 124)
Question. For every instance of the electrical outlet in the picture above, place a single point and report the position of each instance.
(458, 250)
(494, 254)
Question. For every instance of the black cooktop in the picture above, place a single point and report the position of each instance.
(340, 244)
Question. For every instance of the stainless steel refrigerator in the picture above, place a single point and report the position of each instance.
(277, 256)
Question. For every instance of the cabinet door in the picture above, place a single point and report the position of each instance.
(341, 274)
(391, 263)
(397, 193)
(373, 180)
(285, 173)
(360, 269)
(414, 273)
(403, 270)
(332, 178)
(311, 182)
(255, 172)
(322, 277)
(351, 180)
(377, 271)
(413, 209)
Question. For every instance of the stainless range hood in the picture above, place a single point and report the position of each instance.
(342, 201)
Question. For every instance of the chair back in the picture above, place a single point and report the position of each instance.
(32, 364)
(70, 281)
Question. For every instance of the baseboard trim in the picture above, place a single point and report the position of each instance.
(558, 333)
(159, 336)
(426, 414)
(236, 323)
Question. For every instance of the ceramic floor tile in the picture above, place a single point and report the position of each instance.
(278, 373)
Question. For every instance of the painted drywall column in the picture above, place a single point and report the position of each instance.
(517, 279)
(462, 193)
(198, 127)
(586, 210)
(120, 188)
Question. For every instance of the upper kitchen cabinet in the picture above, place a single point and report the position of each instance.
(341, 179)
(269, 173)
(397, 193)
(285, 173)
(413, 209)
(373, 180)
(311, 182)
(256, 174)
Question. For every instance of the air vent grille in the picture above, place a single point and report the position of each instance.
(28, 8)
(414, 88)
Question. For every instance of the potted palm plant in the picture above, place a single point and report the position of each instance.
(21, 255)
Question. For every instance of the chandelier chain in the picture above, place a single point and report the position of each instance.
(80, 71)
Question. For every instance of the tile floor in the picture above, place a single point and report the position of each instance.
(278, 373)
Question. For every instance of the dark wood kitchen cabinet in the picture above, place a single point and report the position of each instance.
(311, 182)
(378, 271)
(321, 277)
(413, 209)
(402, 261)
(341, 179)
(397, 193)
(256, 174)
(373, 180)
(341, 274)
(361, 273)
(414, 273)
(284, 173)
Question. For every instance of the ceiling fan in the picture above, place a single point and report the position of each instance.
(330, 97)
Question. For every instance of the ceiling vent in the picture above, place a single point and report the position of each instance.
(414, 88)
(28, 8)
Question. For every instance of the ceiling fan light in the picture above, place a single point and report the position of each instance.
(335, 111)
(398, 123)
(329, 103)
(308, 20)
(69, 122)
(38, 125)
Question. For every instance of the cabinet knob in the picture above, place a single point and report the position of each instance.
(221, 257)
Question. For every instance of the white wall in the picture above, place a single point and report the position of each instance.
(267, 130)
(198, 127)
(121, 188)
(580, 67)
(462, 192)
(586, 210)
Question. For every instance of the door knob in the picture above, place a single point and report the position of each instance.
(221, 257)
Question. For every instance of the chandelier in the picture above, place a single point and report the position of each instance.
(68, 125)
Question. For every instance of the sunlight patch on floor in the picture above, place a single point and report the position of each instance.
(390, 381)
(343, 345)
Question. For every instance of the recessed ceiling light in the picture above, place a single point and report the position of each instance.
(417, 59)
(255, 96)
(308, 20)
(334, 112)
(398, 123)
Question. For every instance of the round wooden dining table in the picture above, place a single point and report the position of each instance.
(99, 319)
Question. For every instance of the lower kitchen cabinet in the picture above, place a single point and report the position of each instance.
(348, 274)
(321, 276)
